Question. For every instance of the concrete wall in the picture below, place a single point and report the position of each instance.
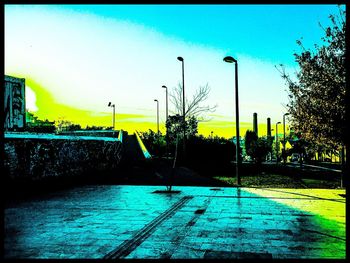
(37, 156)
(14, 103)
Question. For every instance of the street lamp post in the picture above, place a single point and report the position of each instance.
(271, 148)
(284, 137)
(183, 106)
(277, 141)
(112, 105)
(166, 101)
(157, 116)
(229, 59)
(166, 119)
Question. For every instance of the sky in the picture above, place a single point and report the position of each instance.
(78, 58)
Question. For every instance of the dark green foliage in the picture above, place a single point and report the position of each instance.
(250, 141)
(301, 147)
(175, 126)
(257, 148)
(154, 143)
(73, 127)
(44, 127)
(33, 124)
(209, 153)
(201, 152)
(317, 97)
(93, 127)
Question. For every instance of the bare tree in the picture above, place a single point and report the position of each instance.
(194, 106)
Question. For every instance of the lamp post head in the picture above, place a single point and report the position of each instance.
(180, 59)
(278, 123)
(165, 87)
(109, 104)
(156, 100)
(230, 59)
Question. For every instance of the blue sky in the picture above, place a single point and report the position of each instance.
(88, 55)
(240, 27)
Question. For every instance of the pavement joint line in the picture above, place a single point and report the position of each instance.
(182, 233)
(129, 245)
(318, 232)
(311, 196)
(273, 197)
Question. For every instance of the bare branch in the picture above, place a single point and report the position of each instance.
(194, 106)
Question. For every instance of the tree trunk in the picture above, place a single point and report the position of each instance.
(342, 165)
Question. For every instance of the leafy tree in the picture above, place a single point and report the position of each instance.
(154, 142)
(317, 97)
(300, 146)
(250, 139)
(210, 153)
(65, 125)
(33, 124)
(175, 124)
(73, 127)
(257, 148)
(93, 127)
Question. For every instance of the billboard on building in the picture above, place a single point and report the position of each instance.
(14, 104)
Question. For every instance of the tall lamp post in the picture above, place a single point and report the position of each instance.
(166, 101)
(157, 116)
(183, 106)
(166, 119)
(284, 137)
(229, 59)
(112, 105)
(277, 141)
(271, 145)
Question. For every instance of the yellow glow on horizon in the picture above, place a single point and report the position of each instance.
(228, 129)
(49, 109)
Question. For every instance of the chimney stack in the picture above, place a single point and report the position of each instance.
(269, 127)
(255, 123)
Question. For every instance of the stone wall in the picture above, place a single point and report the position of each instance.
(36, 157)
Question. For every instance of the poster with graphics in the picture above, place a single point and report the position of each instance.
(14, 103)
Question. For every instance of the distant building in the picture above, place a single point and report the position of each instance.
(33, 124)
(14, 104)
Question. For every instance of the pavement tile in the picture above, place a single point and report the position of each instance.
(91, 221)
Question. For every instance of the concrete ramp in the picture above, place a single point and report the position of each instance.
(132, 150)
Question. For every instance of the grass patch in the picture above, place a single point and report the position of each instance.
(263, 180)
(314, 183)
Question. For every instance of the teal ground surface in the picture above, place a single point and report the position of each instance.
(198, 222)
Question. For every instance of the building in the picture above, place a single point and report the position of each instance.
(14, 104)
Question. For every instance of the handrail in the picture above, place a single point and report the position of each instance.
(120, 135)
(142, 146)
(49, 136)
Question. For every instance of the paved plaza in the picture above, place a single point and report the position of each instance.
(113, 221)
